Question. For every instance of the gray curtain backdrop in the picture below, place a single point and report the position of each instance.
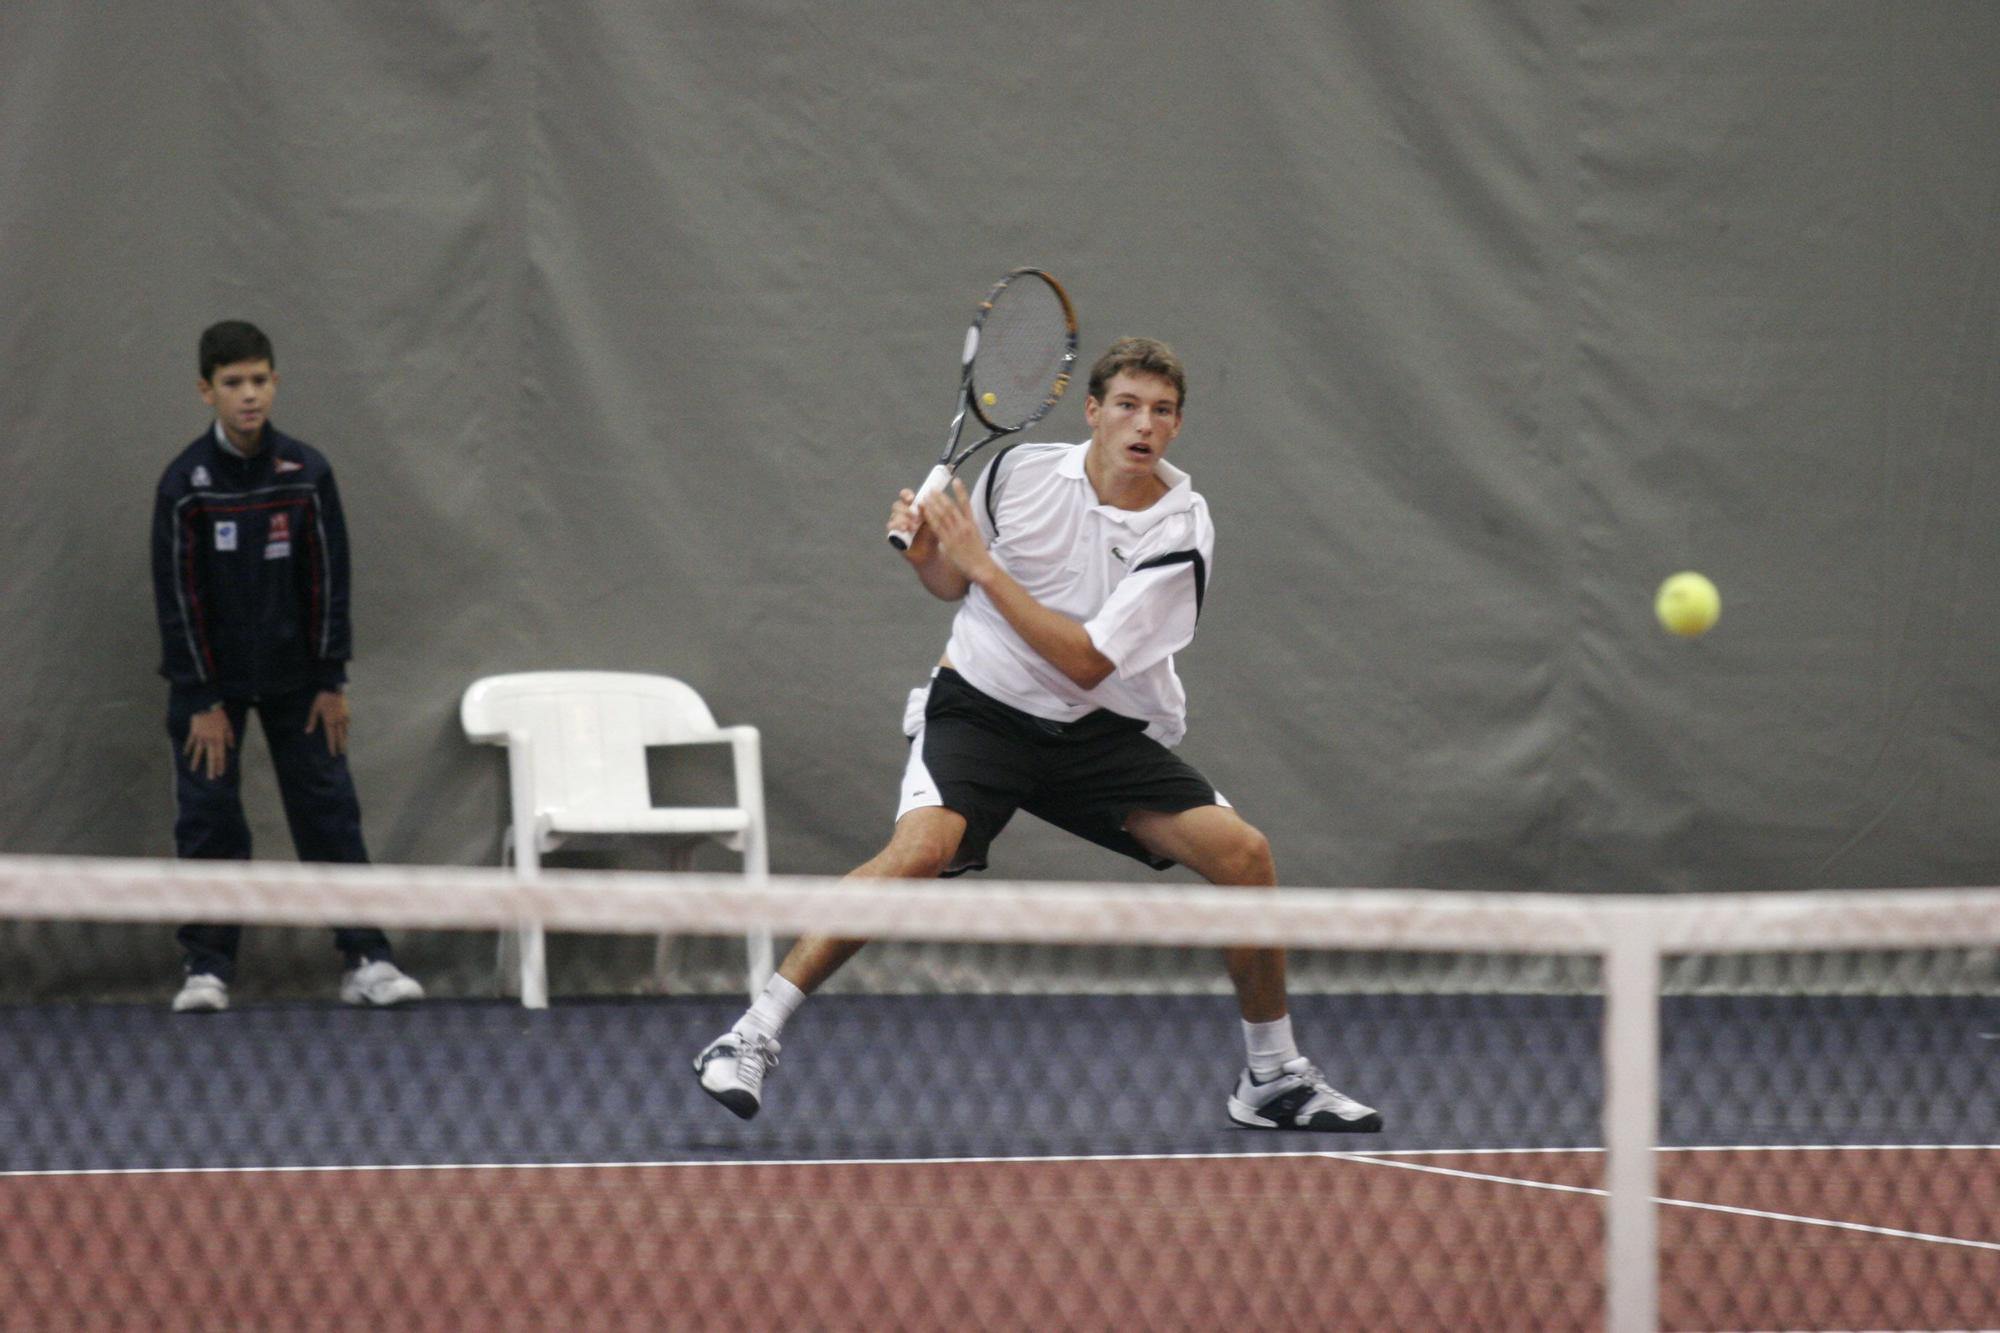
(622, 323)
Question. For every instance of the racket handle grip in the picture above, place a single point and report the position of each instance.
(939, 478)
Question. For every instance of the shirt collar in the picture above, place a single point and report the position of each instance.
(223, 439)
(1178, 499)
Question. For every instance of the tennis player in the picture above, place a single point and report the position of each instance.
(1079, 570)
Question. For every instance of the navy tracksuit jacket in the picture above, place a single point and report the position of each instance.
(250, 572)
(250, 581)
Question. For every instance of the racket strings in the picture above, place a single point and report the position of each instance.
(1024, 349)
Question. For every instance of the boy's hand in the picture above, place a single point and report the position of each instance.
(329, 711)
(209, 741)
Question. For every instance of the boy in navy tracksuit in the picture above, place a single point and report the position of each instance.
(250, 579)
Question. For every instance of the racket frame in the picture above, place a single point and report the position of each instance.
(968, 401)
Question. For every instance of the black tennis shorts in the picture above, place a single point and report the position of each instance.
(984, 759)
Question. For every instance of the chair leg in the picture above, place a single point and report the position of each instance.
(680, 860)
(529, 963)
(507, 965)
(661, 982)
(534, 968)
(507, 953)
(757, 943)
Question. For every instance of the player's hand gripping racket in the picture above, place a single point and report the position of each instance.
(1018, 355)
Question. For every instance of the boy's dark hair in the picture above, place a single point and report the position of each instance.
(231, 341)
(1138, 356)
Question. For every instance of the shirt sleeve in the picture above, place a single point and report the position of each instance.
(1152, 613)
(332, 633)
(186, 659)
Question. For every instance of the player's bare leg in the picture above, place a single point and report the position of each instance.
(732, 1067)
(1280, 1088)
(1219, 845)
(920, 848)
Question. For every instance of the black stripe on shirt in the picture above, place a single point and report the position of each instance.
(1183, 558)
(993, 485)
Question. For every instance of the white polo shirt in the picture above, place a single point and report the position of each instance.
(1134, 578)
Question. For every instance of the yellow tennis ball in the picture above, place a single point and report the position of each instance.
(1688, 604)
(989, 398)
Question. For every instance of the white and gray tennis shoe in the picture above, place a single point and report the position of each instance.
(1300, 1098)
(732, 1069)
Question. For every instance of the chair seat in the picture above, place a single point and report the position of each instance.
(681, 819)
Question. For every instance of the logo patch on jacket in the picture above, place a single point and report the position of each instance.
(279, 543)
(225, 535)
(287, 465)
(199, 476)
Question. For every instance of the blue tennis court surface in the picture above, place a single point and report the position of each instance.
(97, 1087)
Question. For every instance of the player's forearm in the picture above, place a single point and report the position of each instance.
(1063, 642)
(939, 576)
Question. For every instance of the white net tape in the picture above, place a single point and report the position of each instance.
(452, 898)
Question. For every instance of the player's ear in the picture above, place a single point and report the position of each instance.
(1090, 406)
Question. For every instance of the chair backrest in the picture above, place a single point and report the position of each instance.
(584, 733)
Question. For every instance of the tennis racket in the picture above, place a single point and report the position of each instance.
(1018, 355)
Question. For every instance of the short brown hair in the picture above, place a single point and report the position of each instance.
(1138, 356)
(231, 341)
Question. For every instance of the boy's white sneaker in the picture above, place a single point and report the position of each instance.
(380, 984)
(202, 993)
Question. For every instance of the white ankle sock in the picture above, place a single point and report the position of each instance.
(1270, 1045)
(778, 1001)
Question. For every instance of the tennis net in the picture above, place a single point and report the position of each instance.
(1749, 1110)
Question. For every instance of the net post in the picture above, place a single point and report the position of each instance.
(1631, 1125)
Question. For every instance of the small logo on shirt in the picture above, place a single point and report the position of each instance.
(287, 465)
(225, 536)
(279, 544)
(1121, 556)
(200, 477)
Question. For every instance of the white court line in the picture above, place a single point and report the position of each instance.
(1302, 1155)
(1680, 1203)
(1384, 1157)
(761, 1161)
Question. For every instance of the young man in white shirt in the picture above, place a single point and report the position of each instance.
(1079, 570)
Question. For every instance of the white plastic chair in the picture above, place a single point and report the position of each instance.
(576, 763)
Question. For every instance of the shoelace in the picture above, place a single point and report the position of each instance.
(1312, 1076)
(756, 1054)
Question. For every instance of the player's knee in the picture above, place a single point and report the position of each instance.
(929, 858)
(922, 848)
(1247, 857)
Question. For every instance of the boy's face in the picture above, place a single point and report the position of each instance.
(1138, 418)
(241, 394)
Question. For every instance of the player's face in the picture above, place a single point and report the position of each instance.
(241, 394)
(1138, 417)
